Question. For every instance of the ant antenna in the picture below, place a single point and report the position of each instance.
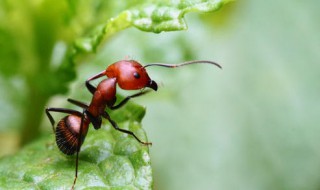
(182, 64)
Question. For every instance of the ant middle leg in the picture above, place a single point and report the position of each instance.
(78, 103)
(96, 121)
(114, 124)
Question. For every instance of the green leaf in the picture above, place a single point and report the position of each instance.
(108, 159)
(150, 16)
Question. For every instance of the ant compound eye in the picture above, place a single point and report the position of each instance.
(136, 75)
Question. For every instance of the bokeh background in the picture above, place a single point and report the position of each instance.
(252, 125)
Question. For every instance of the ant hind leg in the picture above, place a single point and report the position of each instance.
(114, 124)
(60, 110)
(78, 150)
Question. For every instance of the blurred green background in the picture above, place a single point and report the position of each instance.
(252, 125)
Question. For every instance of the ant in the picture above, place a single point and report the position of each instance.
(129, 75)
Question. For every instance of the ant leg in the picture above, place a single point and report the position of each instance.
(124, 101)
(50, 118)
(96, 121)
(78, 103)
(60, 110)
(78, 149)
(89, 86)
(114, 124)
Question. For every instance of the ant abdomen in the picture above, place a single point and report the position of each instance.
(67, 134)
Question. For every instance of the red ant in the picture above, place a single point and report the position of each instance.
(129, 75)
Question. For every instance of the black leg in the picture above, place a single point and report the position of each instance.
(114, 124)
(60, 110)
(89, 86)
(78, 103)
(51, 119)
(78, 150)
(124, 101)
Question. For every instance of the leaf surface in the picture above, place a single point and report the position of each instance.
(150, 16)
(108, 159)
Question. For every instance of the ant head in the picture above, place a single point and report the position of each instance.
(130, 75)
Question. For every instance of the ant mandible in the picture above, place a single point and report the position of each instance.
(129, 75)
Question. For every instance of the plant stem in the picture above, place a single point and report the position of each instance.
(33, 113)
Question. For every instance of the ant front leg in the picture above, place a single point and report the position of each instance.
(89, 86)
(60, 110)
(124, 101)
(114, 124)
